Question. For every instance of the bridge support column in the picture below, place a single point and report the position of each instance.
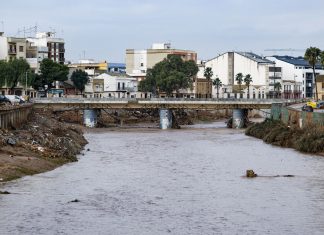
(165, 119)
(90, 117)
(239, 118)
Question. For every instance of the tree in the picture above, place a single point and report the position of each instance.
(16, 71)
(50, 72)
(3, 73)
(169, 75)
(80, 79)
(277, 87)
(208, 74)
(312, 55)
(248, 81)
(239, 80)
(218, 84)
(322, 58)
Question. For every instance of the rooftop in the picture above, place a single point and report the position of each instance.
(297, 61)
(255, 57)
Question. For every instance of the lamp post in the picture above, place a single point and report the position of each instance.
(26, 83)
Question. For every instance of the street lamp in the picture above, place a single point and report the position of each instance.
(26, 83)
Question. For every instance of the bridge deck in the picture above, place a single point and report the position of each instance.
(196, 104)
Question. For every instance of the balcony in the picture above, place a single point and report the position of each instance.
(12, 51)
(275, 77)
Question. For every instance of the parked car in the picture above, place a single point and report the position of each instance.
(4, 100)
(311, 105)
(15, 99)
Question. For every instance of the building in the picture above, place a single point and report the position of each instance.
(12, 47)
(202, 87)
(227, 65)
(296, 76)
(320, 86)
(139, 61)
(112, 85)
(117, 68)
(91, 67)
(45, 45)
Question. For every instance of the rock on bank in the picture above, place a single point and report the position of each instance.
(42, 144)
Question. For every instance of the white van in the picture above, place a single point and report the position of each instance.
(14, 99)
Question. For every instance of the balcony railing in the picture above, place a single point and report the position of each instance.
(12, 51)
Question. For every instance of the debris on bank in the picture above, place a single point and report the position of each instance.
(42, 144)
(309, 139)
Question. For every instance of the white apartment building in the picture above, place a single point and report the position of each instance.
(296, 76)
(12, 47)
(34, 50)
(45, 45)
(226, 66)
(112, 86)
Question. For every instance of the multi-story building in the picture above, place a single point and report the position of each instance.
(226, 66)
(91, 67)
(320, 86)
(112, 85)
(139, 61)
(295, 75)
(45, 45)
(12, 47)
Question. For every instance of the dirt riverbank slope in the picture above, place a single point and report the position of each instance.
(42, 144)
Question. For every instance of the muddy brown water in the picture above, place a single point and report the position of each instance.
(188, 181)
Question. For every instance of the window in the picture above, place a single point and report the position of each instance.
(118, 85)
(21, 49)
(142, 64)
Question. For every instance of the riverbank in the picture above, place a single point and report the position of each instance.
(309, 139)
(42, 144)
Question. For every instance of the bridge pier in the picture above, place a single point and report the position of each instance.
(165, 119)
(90, 117)
(239, 118)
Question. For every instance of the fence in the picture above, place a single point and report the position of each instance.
(291, 116)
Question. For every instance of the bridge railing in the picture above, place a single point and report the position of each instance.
(112, 99)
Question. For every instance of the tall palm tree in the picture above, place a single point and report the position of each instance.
(322, 58)
(208, 74)
(277, 87)
(312, 55)
(248, 81)
(217, 84)
(239, 80)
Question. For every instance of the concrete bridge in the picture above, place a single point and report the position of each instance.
(90, 106)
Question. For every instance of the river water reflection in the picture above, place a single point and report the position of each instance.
(188, 181)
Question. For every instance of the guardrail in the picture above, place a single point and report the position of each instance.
(73, 100)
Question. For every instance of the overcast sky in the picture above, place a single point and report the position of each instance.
(103, 29)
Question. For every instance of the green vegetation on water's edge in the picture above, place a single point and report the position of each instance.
(309, 139)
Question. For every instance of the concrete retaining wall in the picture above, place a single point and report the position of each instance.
(14, 116)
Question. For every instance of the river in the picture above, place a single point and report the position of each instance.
(187, 181)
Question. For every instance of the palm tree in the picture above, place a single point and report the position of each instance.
(248, 81)
(239, 80)
(312, 55)
(208, 74)
(277, 87)
(218, 84)
(322, 58)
